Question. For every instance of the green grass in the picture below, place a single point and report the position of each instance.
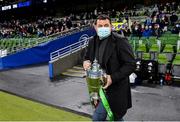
(14, 108)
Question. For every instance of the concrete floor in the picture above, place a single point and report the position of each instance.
(150, 103)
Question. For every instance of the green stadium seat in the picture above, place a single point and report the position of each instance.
(176, 62)
(172, 40)
(162, 59)
(135, 38)
(168, 50)
(140, 50)
(176, 66)
(152, 40)
(174, 35)
(178, 51)
(163, 40)
(146, 56)
(168, 32)
(144, 39)
(162, 63)
(154, 50)
(177, 57)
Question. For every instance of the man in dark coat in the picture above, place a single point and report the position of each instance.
(115, 56)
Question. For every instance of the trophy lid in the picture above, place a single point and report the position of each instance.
(94, 71)
(95, 66)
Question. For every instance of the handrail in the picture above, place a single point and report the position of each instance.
(69, 49)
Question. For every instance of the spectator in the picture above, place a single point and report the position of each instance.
(148, 21)
(176, 29)
(126, 32)
(157, 31)
(147, 33)
(173, 18)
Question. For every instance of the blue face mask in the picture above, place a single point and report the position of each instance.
(103, 32)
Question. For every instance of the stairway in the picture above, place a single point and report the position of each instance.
(76, 71)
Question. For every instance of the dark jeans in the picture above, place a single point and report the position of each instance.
(100, 114)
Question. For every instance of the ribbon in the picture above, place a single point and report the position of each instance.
(106, 104)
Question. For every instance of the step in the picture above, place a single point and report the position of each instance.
(74, 74)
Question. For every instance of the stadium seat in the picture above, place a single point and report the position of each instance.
(168, 50)
(178, 51)
(167, 34)
(163, 40)
(172, 40)
(152, 40)
(135, 38)
(140, 50)
(176, 66)
(154, 50)
(146, 56)
(162, 63)
(141, 47)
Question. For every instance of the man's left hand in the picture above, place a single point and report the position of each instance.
(108, 83)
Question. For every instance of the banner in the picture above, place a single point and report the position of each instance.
(41, 53)
(117, 25)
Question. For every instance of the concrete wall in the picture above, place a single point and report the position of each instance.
(60, 65)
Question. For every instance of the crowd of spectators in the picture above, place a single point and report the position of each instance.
(162, 18)
(43, 26)
(158, 19)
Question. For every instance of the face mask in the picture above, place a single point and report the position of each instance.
(103, 32)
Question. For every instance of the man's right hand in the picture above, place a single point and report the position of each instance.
(86, 64)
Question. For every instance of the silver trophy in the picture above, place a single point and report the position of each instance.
(96, 78)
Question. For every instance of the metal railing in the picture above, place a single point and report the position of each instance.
(69, 49)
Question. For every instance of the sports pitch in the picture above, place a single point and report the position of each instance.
(14, 108)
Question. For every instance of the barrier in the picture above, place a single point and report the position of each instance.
(14, 45)
(41, 53)
(71, 48)
(67, 57)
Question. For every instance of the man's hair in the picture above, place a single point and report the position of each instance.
(102, 17)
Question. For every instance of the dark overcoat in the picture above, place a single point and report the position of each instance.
(119, 62)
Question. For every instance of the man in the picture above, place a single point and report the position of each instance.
(115, 56)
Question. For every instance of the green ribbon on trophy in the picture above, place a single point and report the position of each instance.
(96, 92)
(106, 104)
